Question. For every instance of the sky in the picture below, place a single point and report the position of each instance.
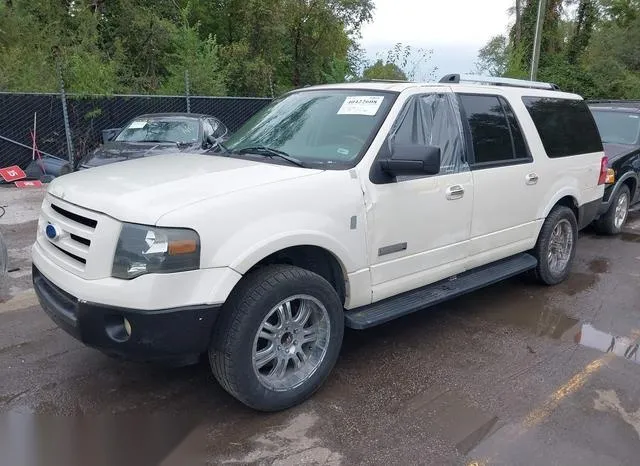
(454, 29)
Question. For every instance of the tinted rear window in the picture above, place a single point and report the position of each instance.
(566, 126)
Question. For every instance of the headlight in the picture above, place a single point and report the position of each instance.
(143, 249)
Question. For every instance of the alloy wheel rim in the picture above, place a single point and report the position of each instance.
(560, 247)
(622, 208)
(291, 342)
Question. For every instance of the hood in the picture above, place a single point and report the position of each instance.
(614, 151)
(118, 151)
(143, 190)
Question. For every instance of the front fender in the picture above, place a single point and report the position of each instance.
(251, 256)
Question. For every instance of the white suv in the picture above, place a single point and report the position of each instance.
(341, 205)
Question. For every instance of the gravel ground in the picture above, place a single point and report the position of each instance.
(513, 374)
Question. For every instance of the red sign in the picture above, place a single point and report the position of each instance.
(12, 173)
(29, 184)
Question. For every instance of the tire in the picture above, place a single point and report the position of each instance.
(546, 271)
(613, 220)
(262, 295)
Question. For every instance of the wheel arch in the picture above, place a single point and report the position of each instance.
(568, 199)
(310, 256)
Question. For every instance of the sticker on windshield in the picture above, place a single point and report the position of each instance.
(138, 124)
(361, 105)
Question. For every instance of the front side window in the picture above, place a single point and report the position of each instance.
(176, 130)
(329, 128)
(566, 126)
(617, 127)
(491, 130)
(432, 120)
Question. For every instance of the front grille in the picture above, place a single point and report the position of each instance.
(80, 239)
(75, 217)
(77, 229)
(73, 256)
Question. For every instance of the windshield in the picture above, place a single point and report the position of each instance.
(332, 128)
(182, 130)
(617, 127)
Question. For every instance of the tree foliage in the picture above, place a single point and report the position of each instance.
(237, 47)
(588, 46)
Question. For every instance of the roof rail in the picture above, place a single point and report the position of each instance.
(613, 101)
(367, 80)
(457, 78)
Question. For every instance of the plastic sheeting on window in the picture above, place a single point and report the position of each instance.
(433, 120)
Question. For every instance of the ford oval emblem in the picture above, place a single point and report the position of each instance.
(51, 231)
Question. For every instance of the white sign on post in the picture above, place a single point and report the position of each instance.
(361, 105)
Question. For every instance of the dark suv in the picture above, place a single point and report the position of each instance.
(619, 124)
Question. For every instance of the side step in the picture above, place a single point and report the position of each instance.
(416, 300)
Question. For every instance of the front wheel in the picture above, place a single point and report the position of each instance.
(278, 337)
(612, 221)
(556, 246)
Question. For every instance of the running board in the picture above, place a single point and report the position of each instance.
(436, 293)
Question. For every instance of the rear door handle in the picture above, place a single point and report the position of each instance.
(532, 178)
(455, 192)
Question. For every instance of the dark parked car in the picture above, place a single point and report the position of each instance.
(619, 126)
(153, 134)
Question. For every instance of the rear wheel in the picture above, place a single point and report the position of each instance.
(278, 337)
(556, 246)
(613, 220)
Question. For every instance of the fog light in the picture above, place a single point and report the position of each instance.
(118, 328)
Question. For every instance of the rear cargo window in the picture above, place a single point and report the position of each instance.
(566, 126)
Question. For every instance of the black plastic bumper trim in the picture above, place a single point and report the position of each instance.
(156, 335)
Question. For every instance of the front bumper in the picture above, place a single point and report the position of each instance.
(165, 334)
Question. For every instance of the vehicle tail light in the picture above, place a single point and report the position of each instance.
(604, 165)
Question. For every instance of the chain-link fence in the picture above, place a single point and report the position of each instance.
(88, 116)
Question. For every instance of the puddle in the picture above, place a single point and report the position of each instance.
(290, 444)
(629, 237)
(542, 321)
(600, 265)
(624, 347)
(450, 415)
(578, 282)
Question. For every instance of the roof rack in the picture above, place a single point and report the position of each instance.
(366, 80)
(457, 78)
(613, 101)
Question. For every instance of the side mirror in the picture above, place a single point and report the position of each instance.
(212, 141)
(412, 159)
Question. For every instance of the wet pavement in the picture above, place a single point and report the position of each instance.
(515, 374)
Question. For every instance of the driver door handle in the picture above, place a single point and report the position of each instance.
(455, 192)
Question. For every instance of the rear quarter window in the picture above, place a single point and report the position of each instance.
(565, 126)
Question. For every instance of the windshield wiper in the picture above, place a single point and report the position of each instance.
(269, 152)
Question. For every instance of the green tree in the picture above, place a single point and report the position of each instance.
(493, 58)
(381, 70)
